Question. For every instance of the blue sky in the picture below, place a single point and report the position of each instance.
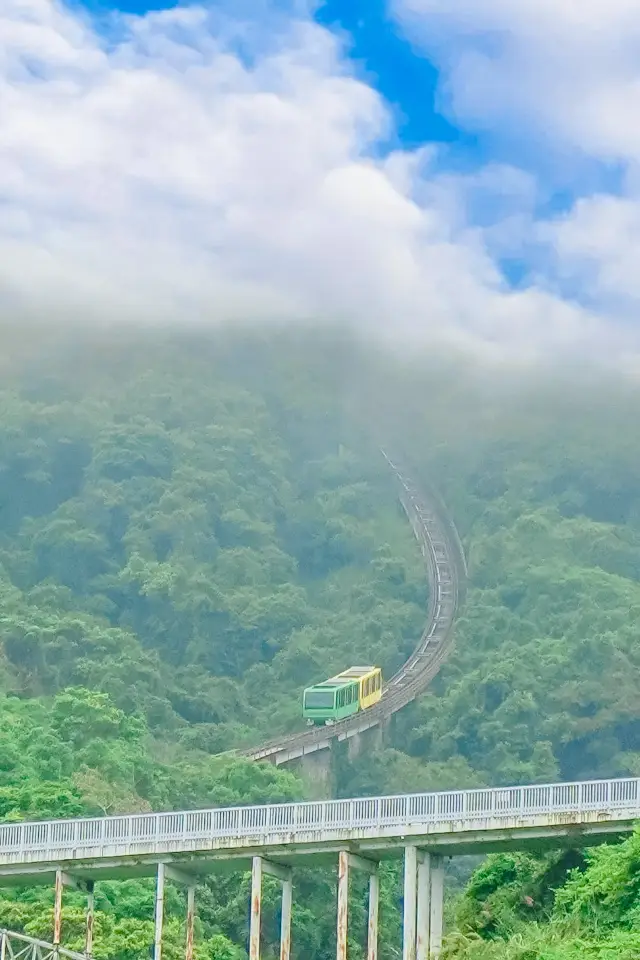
(458, 169)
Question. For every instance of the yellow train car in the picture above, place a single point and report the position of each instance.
(369, 680)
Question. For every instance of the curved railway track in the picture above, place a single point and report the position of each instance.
(446, 571)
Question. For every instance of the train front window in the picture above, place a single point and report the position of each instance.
(318, 698)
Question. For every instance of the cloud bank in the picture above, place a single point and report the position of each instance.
(562, 77)
(179, 167)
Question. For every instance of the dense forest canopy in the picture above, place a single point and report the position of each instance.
(194, 526)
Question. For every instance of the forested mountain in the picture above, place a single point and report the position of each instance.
(193, 527)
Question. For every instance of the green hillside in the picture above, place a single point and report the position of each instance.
(194, 527)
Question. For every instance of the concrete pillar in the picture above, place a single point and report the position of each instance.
(283, 874)
(372, 931)
(437, 907)
(316, 770)
(354, 747)
(285, 919)
(88, 940)
(256, 906)
(57, 908)
(424, 907)
(159, 912)
(191, 911)
(346, 861)
(343, 905)
(409, 918)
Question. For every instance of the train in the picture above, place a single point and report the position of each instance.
(349, 692)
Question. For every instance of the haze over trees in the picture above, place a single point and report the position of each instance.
(194, 527)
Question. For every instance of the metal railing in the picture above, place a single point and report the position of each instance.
(446, 571)
(460, 810)
(17, 946)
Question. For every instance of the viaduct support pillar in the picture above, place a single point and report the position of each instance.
(437, 907)
(164, 873)
(283, 874)
(88, 940)
(424, 907)
(57, 909)
(191, 914)
(159, 912)
(65, 880)
(409, 903)
(346, 861)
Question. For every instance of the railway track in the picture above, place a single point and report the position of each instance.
(446, 571)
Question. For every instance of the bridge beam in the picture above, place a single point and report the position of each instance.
(284, 874)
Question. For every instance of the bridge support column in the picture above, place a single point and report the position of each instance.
(88, 940)
(346, 861)
(372, 932)
(424, 907)
(437, 907)
(409, 903)
(159, 912)
(256, 905)
(285, 919)
(191, 913)
(62, 880)
(284, 874)
(57, 908)
(165, 873)
(343, 905)
(66, 880)
(316, 769)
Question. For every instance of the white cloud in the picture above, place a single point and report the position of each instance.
(162, 176)
(565, 73)
(569, 67)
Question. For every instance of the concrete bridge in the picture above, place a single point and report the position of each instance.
(423, 829)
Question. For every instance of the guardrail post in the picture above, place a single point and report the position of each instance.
(3, 945)
(410, 905)
(424, 907)
(159, 912)
(437, 907)
(88, 942)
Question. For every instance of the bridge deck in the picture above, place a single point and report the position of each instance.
(204, 840)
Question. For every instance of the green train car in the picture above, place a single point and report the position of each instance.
(355, 689)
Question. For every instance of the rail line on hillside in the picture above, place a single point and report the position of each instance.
(444, 559)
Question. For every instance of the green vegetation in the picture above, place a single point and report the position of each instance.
(560, 907)
(195, 528)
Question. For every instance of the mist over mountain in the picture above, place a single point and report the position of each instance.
(194, 525)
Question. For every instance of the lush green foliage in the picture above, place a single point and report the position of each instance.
(520, 907)
(544, 681)
(194, 528)
(189, 534)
